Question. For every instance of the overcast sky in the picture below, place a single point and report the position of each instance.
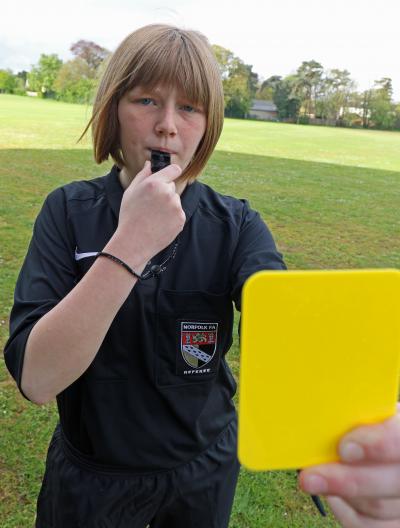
(361, 36)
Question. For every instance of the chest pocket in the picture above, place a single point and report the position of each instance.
(193, 332)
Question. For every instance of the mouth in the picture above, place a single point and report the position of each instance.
(161, 149)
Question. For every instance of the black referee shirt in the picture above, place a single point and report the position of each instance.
(159, 390)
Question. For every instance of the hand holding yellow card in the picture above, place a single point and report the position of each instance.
(320, 355)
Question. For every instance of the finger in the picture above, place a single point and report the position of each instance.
(380, 480)
(372, 443)
(348, 517)
(169, 173)
(377, 508)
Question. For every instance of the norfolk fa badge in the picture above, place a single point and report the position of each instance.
(198, 343)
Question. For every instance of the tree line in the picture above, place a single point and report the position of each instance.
(73, 81)
(310, 95)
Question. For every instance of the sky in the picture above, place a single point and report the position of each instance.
(361, 36)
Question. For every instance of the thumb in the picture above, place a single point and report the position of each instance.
(144, 173)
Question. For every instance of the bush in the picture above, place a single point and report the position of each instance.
(80, 91)
(237, 106)
(8, 82)
(303, 120)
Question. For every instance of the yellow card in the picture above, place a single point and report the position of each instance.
(319, 356)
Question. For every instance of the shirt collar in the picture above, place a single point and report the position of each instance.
(114, 191)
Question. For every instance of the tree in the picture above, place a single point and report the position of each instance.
(385, 85)
(287, 103)
(75, 82)
(335, 95)
(280, 91)
(307, 85)
(239, 81)
(41, 77)
(23, 75)
(397, 117)
(252, 80)
(268, 88)
(238, 90)
(383, 114)
(90, 52)
(8, 82)
(225, 59)
(366, 97)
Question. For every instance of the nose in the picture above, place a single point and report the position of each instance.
(166, 123)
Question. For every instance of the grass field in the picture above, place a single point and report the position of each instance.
(330, 196)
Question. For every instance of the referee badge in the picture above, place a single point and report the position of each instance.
(198, 344)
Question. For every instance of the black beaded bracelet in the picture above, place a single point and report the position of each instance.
(154, 270)
(119, 261)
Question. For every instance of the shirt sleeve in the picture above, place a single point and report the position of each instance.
(255, 251)
(47, 275)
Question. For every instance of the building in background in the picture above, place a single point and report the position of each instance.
(265, 110)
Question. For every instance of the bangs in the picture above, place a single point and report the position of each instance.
(172, 63)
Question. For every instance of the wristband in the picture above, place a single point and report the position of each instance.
(119, 261)
(154, 270)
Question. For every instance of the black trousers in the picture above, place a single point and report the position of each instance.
(198, 494)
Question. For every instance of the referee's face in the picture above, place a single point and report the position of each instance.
(158, 119)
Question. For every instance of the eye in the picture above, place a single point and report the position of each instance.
(188, 108)
(145, 101)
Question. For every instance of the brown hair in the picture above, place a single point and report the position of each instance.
(152, 55)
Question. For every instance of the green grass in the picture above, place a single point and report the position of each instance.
(330, 196)
(355, 148)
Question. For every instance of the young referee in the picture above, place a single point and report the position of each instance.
(123, 313)
(123, 306)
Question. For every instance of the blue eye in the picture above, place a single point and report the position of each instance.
(145, 101)
(188, 108)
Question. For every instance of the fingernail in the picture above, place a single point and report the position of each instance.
(351, 452)
(314, 484)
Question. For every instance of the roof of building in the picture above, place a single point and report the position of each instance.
(266, 106)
